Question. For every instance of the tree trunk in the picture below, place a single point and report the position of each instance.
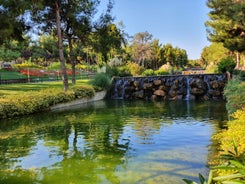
(237, 60)
(60, 43)
(73, 64)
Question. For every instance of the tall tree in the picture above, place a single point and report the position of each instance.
(227, 23)
(77, 24)
(46, 15)
(141, 47)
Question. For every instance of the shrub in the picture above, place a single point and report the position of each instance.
(226, 64)
(121, 71)
(31, 102)
(165, 69)
(148, 72)
(134, 69)
(124, 71)
(235, 94)
(101, 80)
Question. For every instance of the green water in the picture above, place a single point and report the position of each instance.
(111, 142)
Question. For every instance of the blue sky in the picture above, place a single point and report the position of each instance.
(179, 22)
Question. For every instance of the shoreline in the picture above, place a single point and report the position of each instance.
(68, 105)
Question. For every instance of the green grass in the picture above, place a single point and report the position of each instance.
(17, 89)
(4, 75)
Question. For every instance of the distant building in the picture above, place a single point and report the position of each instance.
(191, 71)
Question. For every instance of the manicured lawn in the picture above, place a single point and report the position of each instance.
(17, 89)
(4, 74)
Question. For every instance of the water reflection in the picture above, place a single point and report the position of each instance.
(110, 142)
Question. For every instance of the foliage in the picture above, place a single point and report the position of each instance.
(235, 132)
(148, 72)
(26, 65)
(57, 66)
(165, 69)
(232, 163)
(201, 179)
(226, 64)
(214, 53)
(11, 50)
(227, 23)
(31, 102)
(231, 168)
(101, 80)
(141, 48)
(12, 23)
(235, 94)
(124, 71)
(174, 56)
(211, 68)
(134, 69)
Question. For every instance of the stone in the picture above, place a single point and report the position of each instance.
(159, 93)
(214, 84)
(157, 82)
(197, 91)
(136, 84)
(147, 85)
(139, 94)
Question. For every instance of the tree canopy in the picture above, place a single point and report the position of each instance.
(227, 23)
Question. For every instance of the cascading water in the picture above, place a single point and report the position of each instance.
(188, 89)
(174, 87)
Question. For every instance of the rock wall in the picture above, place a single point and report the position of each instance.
(177, 87)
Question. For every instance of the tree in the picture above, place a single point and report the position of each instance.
(107, 40)
(227, 24)
(156, 54)
(10, 50)
(174, 56)
(141, 48)
(12, 20)
(214, 53)
(107, 37)
(77, 24)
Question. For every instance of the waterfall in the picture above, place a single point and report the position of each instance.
(188, 89)
(173, 87)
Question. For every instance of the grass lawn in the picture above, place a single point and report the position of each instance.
(17, 89)
(4, 74)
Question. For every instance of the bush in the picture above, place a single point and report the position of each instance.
(121, 71)
(165, 69)
(235, 94)
(226, 65)
(31, 102)
(148, 72)
(134, 69)
(101, 80)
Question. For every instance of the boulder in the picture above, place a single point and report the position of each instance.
(147, 85)
(197, 91)
(139, 94)
(157, 82)
(159, 93)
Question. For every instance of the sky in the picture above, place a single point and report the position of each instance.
(179, 22)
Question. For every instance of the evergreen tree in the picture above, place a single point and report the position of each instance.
(227, 23)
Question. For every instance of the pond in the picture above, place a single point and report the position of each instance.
(111, 142)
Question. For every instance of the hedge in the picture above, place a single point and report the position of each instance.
(36, 101)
